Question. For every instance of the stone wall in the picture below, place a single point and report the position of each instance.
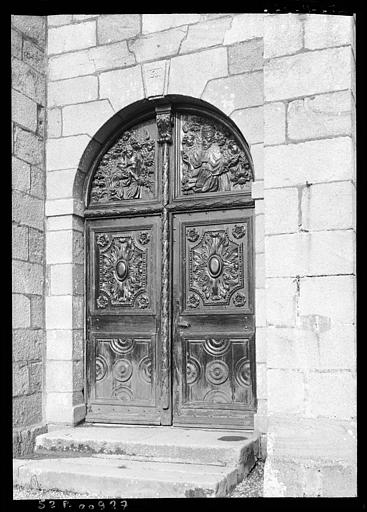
(28, 42)
(309, 183)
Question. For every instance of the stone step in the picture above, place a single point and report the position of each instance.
(122, 477)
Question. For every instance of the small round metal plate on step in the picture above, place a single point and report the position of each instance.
(232, 438)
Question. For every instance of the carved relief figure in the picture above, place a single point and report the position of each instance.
(125, 170)
(212, 161)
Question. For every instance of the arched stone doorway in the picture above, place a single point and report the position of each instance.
(169, 271)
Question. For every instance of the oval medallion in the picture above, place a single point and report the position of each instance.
(121, 270)
(215, 266)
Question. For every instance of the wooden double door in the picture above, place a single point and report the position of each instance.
(205, 376)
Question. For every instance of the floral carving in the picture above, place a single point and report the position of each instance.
(103, 240)
(212, 160)
(144, 238)
(125, 170)
(239, 231)
(239, 300)
(164, 125)
(193, 301)
(122, 273)
(192, 234)
(142, 302)
(215, 268)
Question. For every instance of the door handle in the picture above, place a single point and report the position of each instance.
(183, 324)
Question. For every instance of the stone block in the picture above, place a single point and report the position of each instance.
(37, 312)
(78, 344)
(259, 233)
(337, 347)
(27, 210)
(27, 344)
(322, 31)
(19, 242)
(189, 74)
(260, 344)
(117, 27)
(85, 118)
(325, 115)
(339, 481)
(282, 219)
(291, 348)
(283, 34)
(257, 192)
(308, 73)
(27, 410)
(28, 146)
(23, 111)
(34, 27)
(78, 279)
(260, 307)
(245, 57)
(37, 182)
(27, 278)
(82, 17)
(329, 296)
(59, 312)
(34, 56)
(61, 279)
(59, 345)
(274, 123)
(259, 203)
(78, 375)
(21, 175)
(286, 391)
(65, 153)
(78, 312)
(328, 206)
(281, 301)
(64, 207)
(24, 439)
(261, 388)
(59, 407)
(87, 62)
(245, 27)
(205, 34)
(28, 81)
(235, 92)
(157, 45)
(69, 38)
(16, 44)
(59, 247)
(157, 22)
(36, 246)
(332, 394)
(59, 376)
(73, 90)
(251, 123)
(128, 80)
(41, 121)
(20, 379)
(257, 153)
(260, 270)
(313, 162)
(59, 19)
(65, 222)
(155, 77)
(54, 125)
(35, 377)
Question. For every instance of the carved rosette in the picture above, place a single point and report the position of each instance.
(211, 158)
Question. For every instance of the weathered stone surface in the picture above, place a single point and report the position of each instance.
(157, 22)
(261, 387)
(73, 90)
(21, 176)
(61, 279)
(78, 312)
(320, 116)
(27, 278)
(190, 73)
(285, 391)
(274, 123)
(21, 312)
(36, 246)
(251, 123)
(259, 233)
(59, 376)
(19, 242)
(64, 207)
(337, 347)
(312, 162)
(332, 394)
(59, 19)
(85, 118)
(235, 92)
(291, 348)
(281, 294)
(24, 439)
(16, 44)
(321, 296)
(283, 34)
(37, 182)
(160, 44)
(59, 247)
(71, 37)
(54, 123)
(28, 146)
(41, 121)
(257, 153)
(257, 192)
(65, 222)
(27, 410)
(329, 206)
(260, 308)
(60, 184)
(37, 312)
(128, 80)
(155, 77)
(20, 379)
(59, 345)
(34, 56)
(65, 153)
(35, 377)
(300, 75)
(282, 219)
(322, 31)
(246, 56)
(82, 17)
(33, 27)
(59, 312)
(244, 27)
(204, 35)
(28, 81)
(23, 111)
(27, 210)
(117, 27)
(86, 62)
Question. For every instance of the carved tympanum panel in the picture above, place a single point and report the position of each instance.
(122, 270)
(211, 159)
(127, 171)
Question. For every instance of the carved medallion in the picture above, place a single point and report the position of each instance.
(101, 367)
(122, 370)
(216, 372)
(121, 345)
(217, 347)
(123, 393)
(243, 372)
(217, 396)
(211, 159)
(164, 125)
(126, 170)
(239, 231)
(192, 370)
(145, 369)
